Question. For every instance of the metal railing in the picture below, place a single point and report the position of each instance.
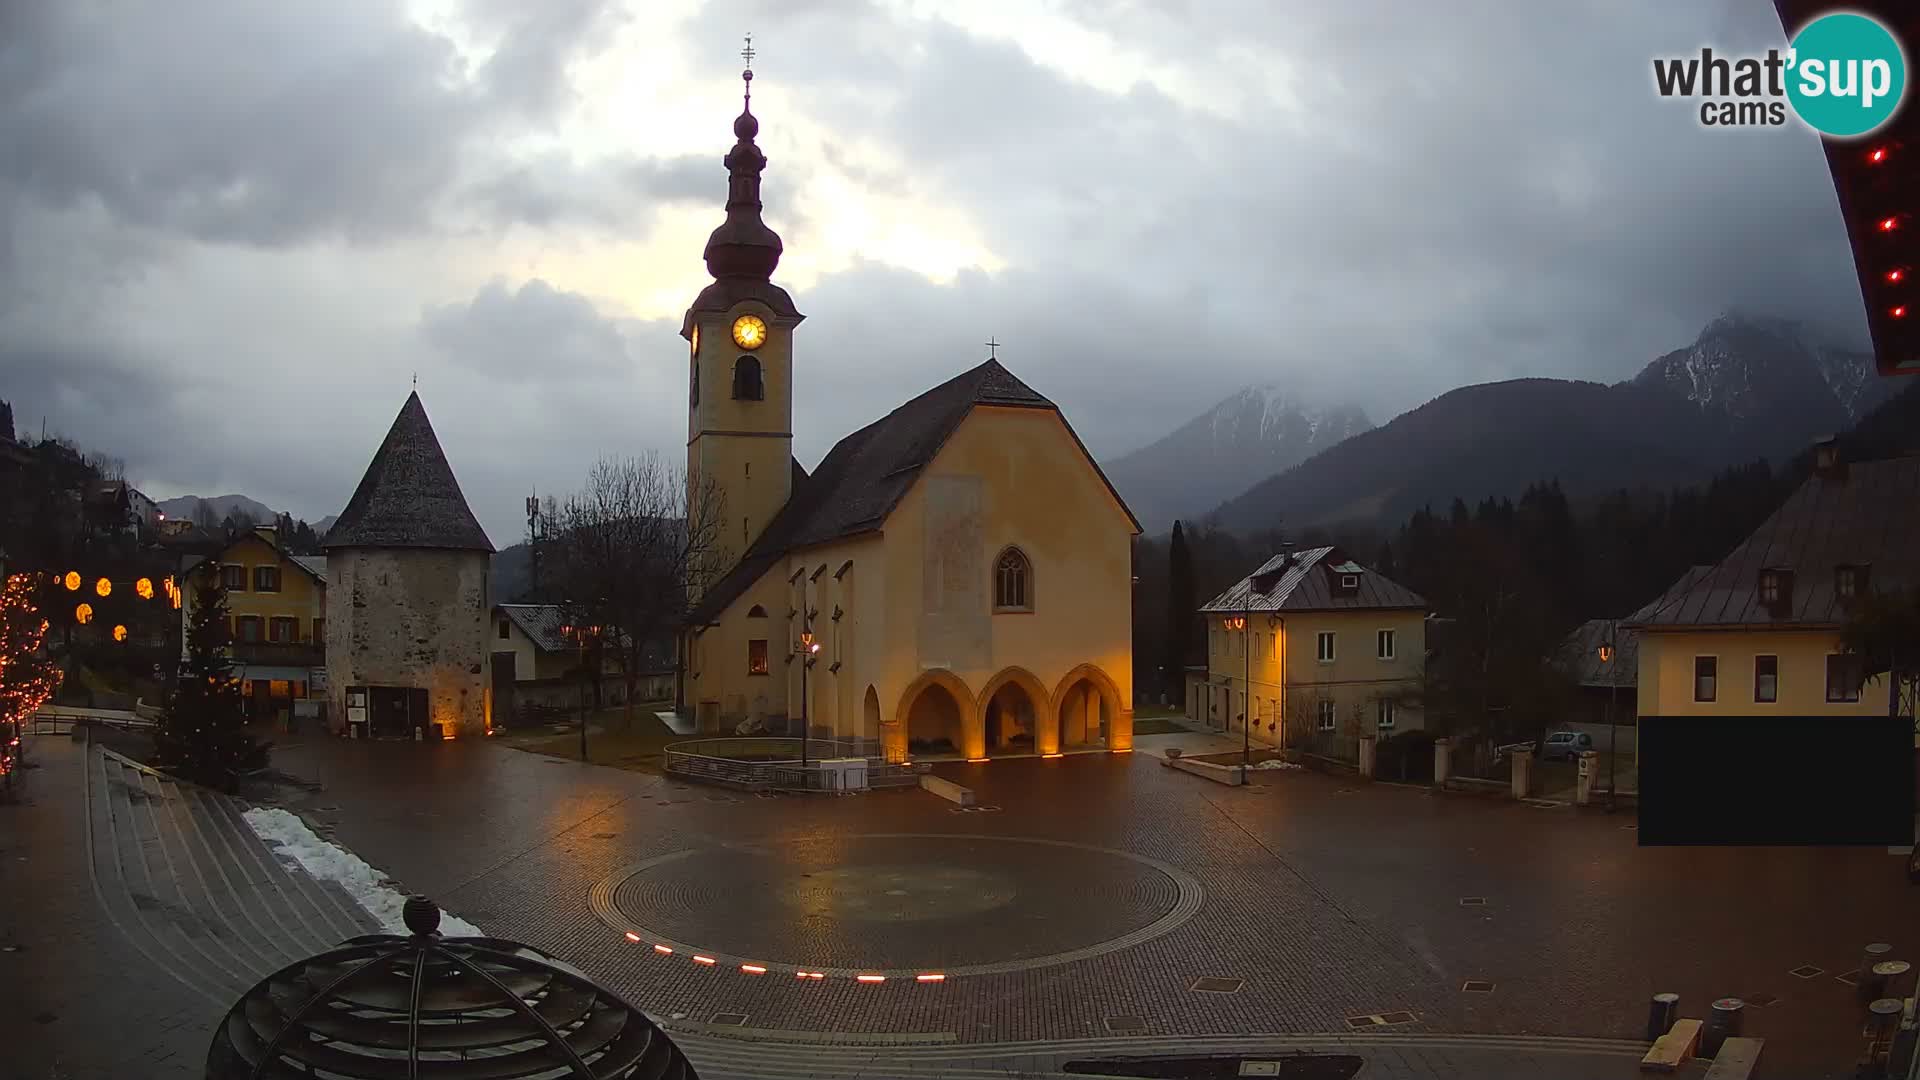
(774, 763)
(61, 719)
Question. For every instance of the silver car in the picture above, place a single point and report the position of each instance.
(1565, 746)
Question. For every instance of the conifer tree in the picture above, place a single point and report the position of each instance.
(28, 676)
(202, 736)
(1181, 604)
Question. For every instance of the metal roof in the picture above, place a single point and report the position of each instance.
(1579, 654)
(542, 622)
(1864, 514)
(1302, 581)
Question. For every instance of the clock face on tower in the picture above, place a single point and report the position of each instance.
(749, 332)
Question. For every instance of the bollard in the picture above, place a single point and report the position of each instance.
(1522, 777)
(1869, 956)
(1660, 1016)
(1883, 1015)
(1883, 979)
(1723, 1022)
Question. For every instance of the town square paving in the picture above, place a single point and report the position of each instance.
(1075, 919)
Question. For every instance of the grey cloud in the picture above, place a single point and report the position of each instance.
(535, 333)
(618, 195)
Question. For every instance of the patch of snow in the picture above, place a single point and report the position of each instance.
(294, 843)
(1276, 763)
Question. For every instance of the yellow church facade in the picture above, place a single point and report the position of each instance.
(952, 579)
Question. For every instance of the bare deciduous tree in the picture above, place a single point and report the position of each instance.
(630, 552)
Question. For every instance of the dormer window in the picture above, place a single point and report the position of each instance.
(746, 379)
(1349, 582)
(1849, 581)
(1776, 590)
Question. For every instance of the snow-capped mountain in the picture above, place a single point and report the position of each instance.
(1254, 433)
(1755, 370)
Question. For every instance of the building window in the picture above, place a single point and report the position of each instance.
(319, 631)
(1849, 581)
(757, 656)
(1766, 678)
(233, 578)
(1349, 582)
(266, 579)
(1384, 712)
(1013, 582)
(503, 630)
(1845, 674)
(282, 630)
(1327, 713)
(1705, 672)
(756, 612)
(1323, 646)
(246, 628)
(1383, 644)
(747, 385)
(1770, 587)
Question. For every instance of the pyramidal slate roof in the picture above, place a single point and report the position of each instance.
(408, 497)
(867, 473)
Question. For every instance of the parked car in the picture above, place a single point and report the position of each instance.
(1565, 745)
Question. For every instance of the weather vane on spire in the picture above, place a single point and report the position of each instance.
(747, 53)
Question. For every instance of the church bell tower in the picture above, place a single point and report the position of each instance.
(739, 333)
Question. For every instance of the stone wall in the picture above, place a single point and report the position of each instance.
(410, 617)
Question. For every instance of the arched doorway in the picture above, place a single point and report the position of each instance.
(1090, 712)
(1017, 715)
(936, 716)
(870, 715)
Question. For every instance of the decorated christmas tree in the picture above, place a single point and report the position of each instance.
(28, 676)
(202, 736)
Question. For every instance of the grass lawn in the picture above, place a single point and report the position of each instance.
(1156, 725)
(609, 741)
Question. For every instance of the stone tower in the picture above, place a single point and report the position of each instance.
(407, 594)
(740, 336)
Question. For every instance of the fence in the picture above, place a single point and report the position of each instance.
(61, 719)
(769, 763)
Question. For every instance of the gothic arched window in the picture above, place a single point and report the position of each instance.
(746, 379)
(756, 612)
(1012, 581)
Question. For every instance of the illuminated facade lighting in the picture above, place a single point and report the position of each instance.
(870, 978)
(976, 760)
(662, 949)
(633, 937)
(931, 978)
(753, 969)
(698, 959)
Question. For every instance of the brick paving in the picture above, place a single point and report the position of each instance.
(1330, 900)
(1324, 900)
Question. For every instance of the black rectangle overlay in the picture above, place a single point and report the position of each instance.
(1787, 780)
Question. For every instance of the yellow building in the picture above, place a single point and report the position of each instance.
(1758, 632)
(276, 610)
(1325, 649)
(955, 577)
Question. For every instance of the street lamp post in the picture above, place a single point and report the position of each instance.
(1607, 654)
(579, 635)
(808, 647)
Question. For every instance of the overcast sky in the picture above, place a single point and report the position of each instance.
(231, 232)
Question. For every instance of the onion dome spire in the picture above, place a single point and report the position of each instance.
(743, 246)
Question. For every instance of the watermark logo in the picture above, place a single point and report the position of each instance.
(1844, 74)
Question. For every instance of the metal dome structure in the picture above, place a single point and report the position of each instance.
(392, 1007)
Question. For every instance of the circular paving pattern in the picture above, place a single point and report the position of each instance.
(898, 904)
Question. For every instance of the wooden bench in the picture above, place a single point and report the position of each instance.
(948, 790)
(1735, 1060)
(1672, 1050)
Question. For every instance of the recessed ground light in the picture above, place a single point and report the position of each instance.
(1126, 1023)
(1397, 1018)
(1364, 1021)
(1473, 901)
(1259, 1068)
(1760, 1001)
(730, 1019)
(1213, 985)
(1851, 978)
(1476, 986)
(1807, 971)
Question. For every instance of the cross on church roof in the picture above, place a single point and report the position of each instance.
(993, 349)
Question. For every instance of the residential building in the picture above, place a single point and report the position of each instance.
(954, 577)
(536, 663)
(276, 612)
(407, 595)
(1758, 632)
(1318, 650)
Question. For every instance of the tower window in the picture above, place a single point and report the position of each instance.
(747, 385)
(1013, 582)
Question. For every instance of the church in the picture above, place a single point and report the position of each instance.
(953, 579)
